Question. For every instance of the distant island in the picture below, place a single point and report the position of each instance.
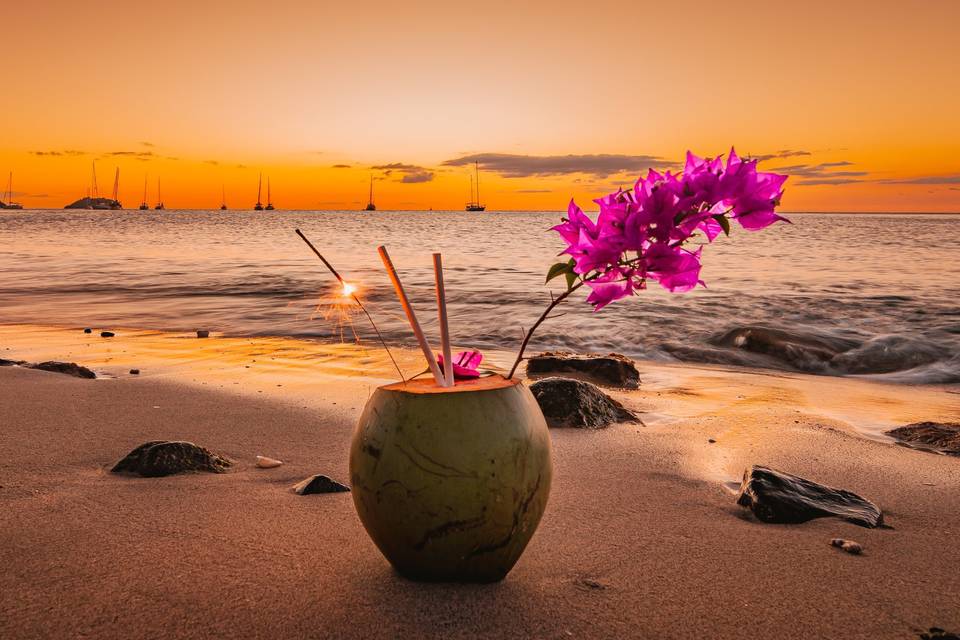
(95, 203)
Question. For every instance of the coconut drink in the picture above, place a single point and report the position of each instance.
(451, 473)
(451, 482)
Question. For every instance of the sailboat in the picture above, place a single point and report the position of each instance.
(370, 205)
(143, 203)
(474, 205)
(223, 200)
(159, 206)
(7, 202)
(269, 206)
(259, 206)
(115, 202)
(97, 203)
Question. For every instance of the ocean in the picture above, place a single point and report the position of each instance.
(873, 295)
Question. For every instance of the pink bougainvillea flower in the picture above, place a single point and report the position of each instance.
(675, 268)
(640, 234)
(465, 364)
(611, 286)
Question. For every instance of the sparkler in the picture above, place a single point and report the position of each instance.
(349, 291)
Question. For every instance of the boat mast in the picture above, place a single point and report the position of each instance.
(116, 184)
(223, 195)
(8, 195)
(144, 188)
(371, 189)
(96, 193)
(259, 187)
(268, 189)
(476, 164)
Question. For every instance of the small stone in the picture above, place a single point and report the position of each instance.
(134, 372)
(774, 496)
(107, 334)
(936, 633)
(578, 404)
(11, 363)
(203, 333)
(711, 440)
(268, 463)
(88, 330)
(68, 368)
(163, 458)
(319, 484)
(612, 370)
(851, 547)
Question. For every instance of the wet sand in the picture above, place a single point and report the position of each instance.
(641, 537)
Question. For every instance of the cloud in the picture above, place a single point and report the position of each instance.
(954, 179)
(826, 181)
(137, 155)
(524, 166)
(410, 173)
(241, 166)
(340, 166)
(148, 144)
(825, 173)
(783, 153)
(65, 152)
(416, 178)
(534, 191)
(213, 162)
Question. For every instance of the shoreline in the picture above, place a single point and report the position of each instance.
(641, 536)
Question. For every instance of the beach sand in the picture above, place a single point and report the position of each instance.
(641, 538)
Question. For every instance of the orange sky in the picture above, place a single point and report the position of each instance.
(863, 94)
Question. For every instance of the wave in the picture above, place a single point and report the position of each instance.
(897, 358)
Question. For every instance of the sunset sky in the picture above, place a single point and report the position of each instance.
(859, 101)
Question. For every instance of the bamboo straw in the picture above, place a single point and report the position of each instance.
(444, 326)
(411, 316)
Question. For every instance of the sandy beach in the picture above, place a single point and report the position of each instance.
(641, 538)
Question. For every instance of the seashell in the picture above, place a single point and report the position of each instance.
(268, 463)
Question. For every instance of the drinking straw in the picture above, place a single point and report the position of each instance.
(411, 316)
(444, 328)
(355, 299)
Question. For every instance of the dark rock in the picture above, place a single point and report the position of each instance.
(779, 497)
(943, 437)
(164, 458)
(711, 440)
(107, 334)
(203, 333)
(851, 547)
(88, 330)
(69, 368)
(613, 370)
(936, 633)
(11, 363)
(319, 484)
(134, 372)
(806, 351)
(574, 403)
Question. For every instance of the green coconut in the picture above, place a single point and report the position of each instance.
(451, 483)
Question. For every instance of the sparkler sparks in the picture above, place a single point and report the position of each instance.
(349, 291)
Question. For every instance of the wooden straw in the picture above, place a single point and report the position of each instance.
(444, 327)
(411, 316)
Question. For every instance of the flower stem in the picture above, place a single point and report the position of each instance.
(526, 338)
